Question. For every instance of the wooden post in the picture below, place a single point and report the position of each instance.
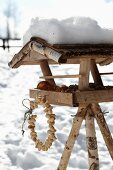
(77, 121)
(46, 71)
(95, 73)
(84, 71)
(103, 127)
(85, 66)
(91, 141)
(90, 127)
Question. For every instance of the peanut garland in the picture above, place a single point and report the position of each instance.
(51, 121)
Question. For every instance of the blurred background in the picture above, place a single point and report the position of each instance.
(16, 15)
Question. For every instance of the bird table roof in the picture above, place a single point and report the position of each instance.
(38, 49)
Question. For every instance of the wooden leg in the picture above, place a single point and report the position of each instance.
(91, 141)
(103, 127)
(77, 121)
(95, 73)
(46, 71)
(84, 70)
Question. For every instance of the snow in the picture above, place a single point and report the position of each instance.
(70, 30)
(19, 153)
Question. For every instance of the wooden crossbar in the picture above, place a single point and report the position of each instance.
(61, 76)
(106, 73)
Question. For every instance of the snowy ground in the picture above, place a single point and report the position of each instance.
(19, 153)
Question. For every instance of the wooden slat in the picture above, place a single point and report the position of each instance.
(84, 70)
(34, 60)
(95, 96)
(95, 73)
(47, 71)
(61, 76)
(106, 73)
(81, 97)
(54, 97)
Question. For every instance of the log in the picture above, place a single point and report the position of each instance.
(91, 140)
(103, 127)
(77, 121)
(47, 51)
(46, 71)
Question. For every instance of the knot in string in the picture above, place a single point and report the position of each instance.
(26, 115)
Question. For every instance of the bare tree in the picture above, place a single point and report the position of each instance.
(11, 12)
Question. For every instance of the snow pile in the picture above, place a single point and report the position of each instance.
(71, 30)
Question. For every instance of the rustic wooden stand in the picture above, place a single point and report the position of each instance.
(89, 112)
(38, 51)
(86, 110)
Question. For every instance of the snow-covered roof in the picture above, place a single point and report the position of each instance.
(64, 41)
(38, 49)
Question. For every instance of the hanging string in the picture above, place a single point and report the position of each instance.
(26, 115)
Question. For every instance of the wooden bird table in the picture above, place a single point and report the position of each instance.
(38, 51)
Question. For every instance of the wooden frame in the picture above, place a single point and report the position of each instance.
(74, 99)
(86, 100)
(38, 51)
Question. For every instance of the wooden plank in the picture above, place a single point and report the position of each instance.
(95, 73)
(46, 71)
(35, 61)
(95, 96)
(54, 97)
(79, 97)
(84, 70)
(34, 56)
(62, 53)
(61, 76)
(76, 59)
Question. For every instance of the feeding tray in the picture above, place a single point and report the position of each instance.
(75, 98)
